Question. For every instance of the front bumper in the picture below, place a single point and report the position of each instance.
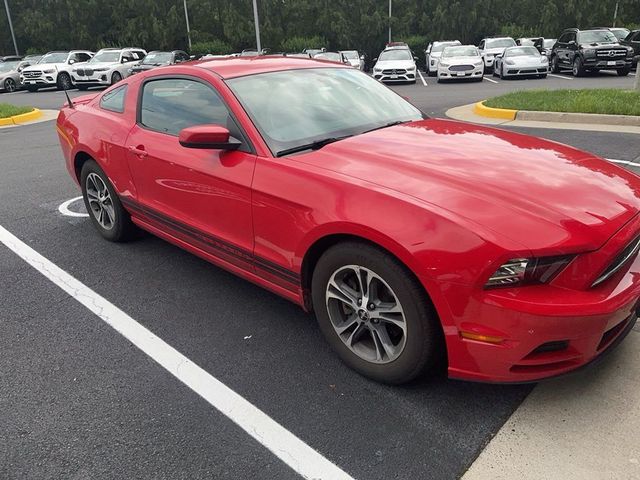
(605, 64)
(399, 76)
(526, 70)
(45, 80)
(446, 73)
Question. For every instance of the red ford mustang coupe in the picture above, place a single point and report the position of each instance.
(413, 240)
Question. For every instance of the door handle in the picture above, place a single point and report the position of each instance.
(140, 152)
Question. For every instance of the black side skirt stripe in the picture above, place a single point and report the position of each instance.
(214, 243)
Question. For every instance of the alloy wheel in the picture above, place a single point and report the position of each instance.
(366, 314)
(9, 85)
(100, 201)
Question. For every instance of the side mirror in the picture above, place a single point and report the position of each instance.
(500, 55)
(415, 58)
(361, 57)
(215, 137)
(572, 43)
(375, 60)
(72, 61)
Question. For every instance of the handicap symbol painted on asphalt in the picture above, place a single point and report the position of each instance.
(73, 208)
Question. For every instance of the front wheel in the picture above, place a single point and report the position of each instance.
(105, 209)
(555, 67)
(375, 314)
(115, 78)
(64, 82)
(578, 70)
(9, 85)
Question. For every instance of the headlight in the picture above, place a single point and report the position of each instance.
(444, 64)
(478, 63)
(629, 51)
(411, 69)
(377, 70)
(130, 70)
(100, 69)
(509, 62)
(527, 271)
(544, 60)
(589, 51)
(51, 70)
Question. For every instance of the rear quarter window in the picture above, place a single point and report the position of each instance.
(114, 99)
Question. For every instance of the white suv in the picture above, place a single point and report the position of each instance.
(492, 46)
(395, 64)
(53, 70)
(433, 52)
(108, 66)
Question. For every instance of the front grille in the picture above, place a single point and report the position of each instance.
(629, 251)
(395, 71)
(84, 72)
(32, 74)
(460, 68)
(612, 53)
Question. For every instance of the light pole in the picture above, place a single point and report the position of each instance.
(257, 23)
(186, 19)
(389, 21)
(13, 35)
(615, 14)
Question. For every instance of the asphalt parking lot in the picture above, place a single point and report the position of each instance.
(80, 401)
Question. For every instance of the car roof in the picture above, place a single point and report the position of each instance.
(243, 66)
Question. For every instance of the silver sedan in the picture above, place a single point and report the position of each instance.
(9, 76)
(521, 61)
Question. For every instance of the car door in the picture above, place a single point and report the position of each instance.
(561, 49)
(201, 196)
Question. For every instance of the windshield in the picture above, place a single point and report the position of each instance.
(342, 102)
(351, 54)
(620, 33)
(157, 58)
(8, 66)
(596, 36)
(450, 52)
(54, 57)
(333, 56)
(500, 43)
(439, 46)
(549, 42)
(108, 57)
(400, 54)
(519, 51)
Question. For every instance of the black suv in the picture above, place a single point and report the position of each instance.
(633, 41)
(590, 50)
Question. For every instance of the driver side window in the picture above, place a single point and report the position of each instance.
(169, 105)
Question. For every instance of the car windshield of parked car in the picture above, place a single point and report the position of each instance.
(351, 54)
(400, 54)
(451, 52)
(341, 103)
(108, 57)
(334, 57)
(549, 42)
(438, 47)
(8, 66)
(157, 58)
(521, 51)
(620, 33)
(54, 57)
(596, 36)
(500, 43)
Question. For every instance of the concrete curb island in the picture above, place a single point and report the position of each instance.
(34, 114)
(559, 117)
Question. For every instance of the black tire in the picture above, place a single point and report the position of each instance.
(63, 82)
(9, 85)
(578, 70)
(32, 88)
(555, 67)
(623, 72)
(123, 228)
(424, 345)
(115, 78)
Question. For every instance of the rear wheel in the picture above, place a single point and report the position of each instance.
(64, 81)
(374, 314)
(578, 70)
(105, 209)
(9, 85)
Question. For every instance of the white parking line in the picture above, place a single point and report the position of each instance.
(422, 78)
(285, 445)
(623, 162)
(64, 208)
(560, 76)
(490, 80)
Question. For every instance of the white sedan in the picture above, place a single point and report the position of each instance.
(461, 62)
(521, 61)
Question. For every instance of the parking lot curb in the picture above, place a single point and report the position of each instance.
(559, 117)
(481, 109)
(35, 114)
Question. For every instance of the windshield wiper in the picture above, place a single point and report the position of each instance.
(390, 124)
(317, 145)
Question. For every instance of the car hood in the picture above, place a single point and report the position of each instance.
(494, 181)
(394, 64)
(600, 45)
(45, 66)
(526, 59)
(494, 51)
(460, 60)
